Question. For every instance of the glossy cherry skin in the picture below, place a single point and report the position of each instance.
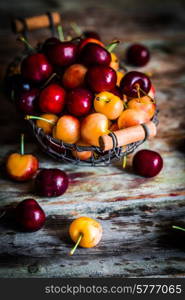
(29, 215)
(52, 99)
(91, 34)
(51, 182)
(62, 54)
(48, 43)
(116, 91)
(36, 67)
(131, 80)
(137, 55)
(79, 101)
(147, 163)
(27, 101)
(101, 78)
(93, 54)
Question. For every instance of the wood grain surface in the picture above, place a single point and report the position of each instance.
(136, 213)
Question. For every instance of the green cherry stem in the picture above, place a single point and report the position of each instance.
(23, 40)
(178, 227)
(48, 80)
(76, 28)
(28, 117)
(22, 144)
(60, 33)
(112, 46)
(76, 245)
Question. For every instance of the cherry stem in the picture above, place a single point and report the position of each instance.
(28, 117)
(112, 46)
(60, 33)
(154, 101)
(76, 28)
(76, 245)
(178, 227)
(22, 144)
(49, 79)
(138, 90)
(103, 100)
(22, 39)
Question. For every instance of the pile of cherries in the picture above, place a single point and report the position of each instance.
(76, 91)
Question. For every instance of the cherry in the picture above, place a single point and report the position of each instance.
(91, 34)
(137, 55)
(48, 43)
(27, 101)
(62, 54)
(36, 67)
(51, 182)
(101, 78)
(79, 101)
(116, 91)
(135, 83)
(17, 84)
(93, 54)
(29, 215)
(52, 99)
(147, 163)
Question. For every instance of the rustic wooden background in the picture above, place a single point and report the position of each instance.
(136, 213)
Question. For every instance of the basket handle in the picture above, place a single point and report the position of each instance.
(22, 25)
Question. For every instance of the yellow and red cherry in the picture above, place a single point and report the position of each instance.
(120, 75)
(52, 99)
(85, 232)
(82, 155)
(93, 54)
(152, 92)
(89, 40)
(45, 121)
(101, 78)
(135, 82)
(51, 182)
(144, 104)
(114, 64)
(21, 167)
(73, 76)
(137, 55)
(92, 127)
(132, 117)
(29, 215)
(108, 104)
(67, 129)
(36, 67)
(79, 101)
(147, 163)
(62, 54)
(27, 101)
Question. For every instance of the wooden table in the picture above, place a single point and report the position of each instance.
(136, 213)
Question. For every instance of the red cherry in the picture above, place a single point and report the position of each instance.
(94, 54)
(137, 55)
(91, 34)
(147, 163)
(101, 78)
(133, 81)
(27, 101)
(29, 215)
(48, 43)
(116, 91)
(79, 101)
(63, 54)
(52, 99)
(51, 182)
(36, 67)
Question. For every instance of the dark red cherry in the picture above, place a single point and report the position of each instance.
(91, 34)
(27, 101)
(101, 78)
(52, 99)
(132, 81)
(48, 43)
(116, 91)
(63, 54)
(51, 182)
(93, 54)
(79, 101)
(29, 215)
(137, 55)
(147, 163)
(17, 84)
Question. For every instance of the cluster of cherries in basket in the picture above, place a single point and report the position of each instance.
(76, 92)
